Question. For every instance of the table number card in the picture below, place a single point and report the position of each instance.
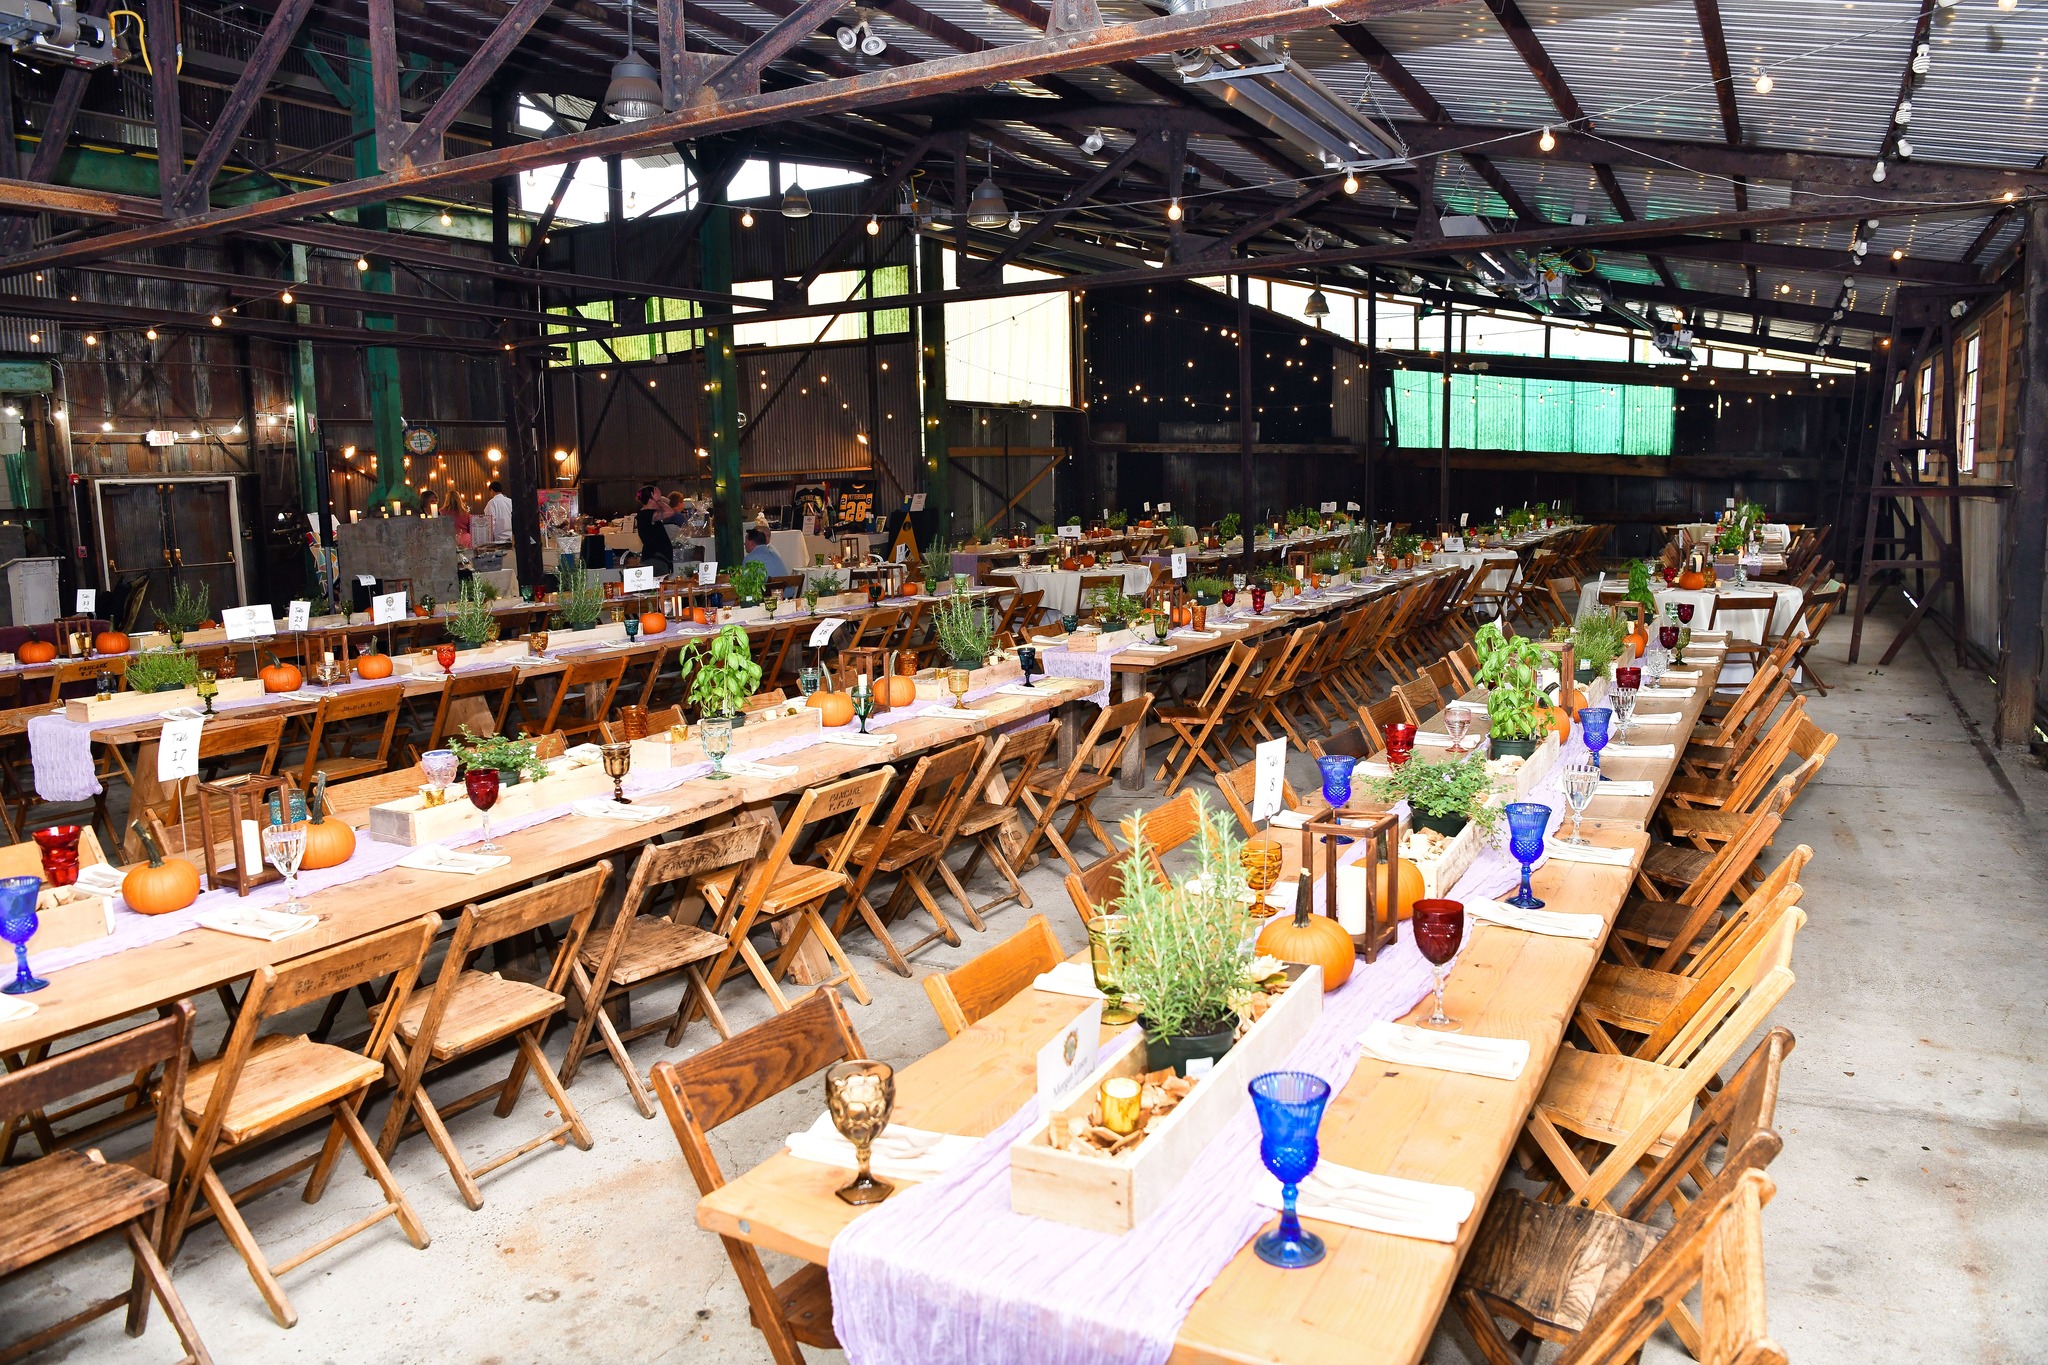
(707, 573)
(250, 623)
(88, 601)
(1463, 519)
(639, 580)
(368, 580)
(917, 502)
(387, 607)
(1166, 507)
(1351, 507)
(1180, 564)
(1329, 507)
(298, 616)
(821, 635)
(1269, 776)
(1071, 532)
(1454, 543)
(1065, 1063)
(177, 753)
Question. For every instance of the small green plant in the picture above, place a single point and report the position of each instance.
(1046, 530)
(1515, 708)
(1298, 517)
(1445, 790)
(723, 675)
(1598, 640)
(162, 670)
(1403, 543)
(1639, 571)
(965, 630)
(1208, 591)
(579, 598)
(1325, 562)
(823, 585)
(750, 581)
(1521, 519)
(1227, 527)
(189, 605)
(1118, 520)
(472, 622)
(935, 565)
(1111, 605)
(1185, 951)
(498, 751)
(1358, 549)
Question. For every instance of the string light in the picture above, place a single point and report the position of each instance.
(91, 340)
(1764, 83)
(362, 264)
(215, 319)
(285, 297)
(874, 226)
(1173, 212)
(150, 334)
(1350, 183)
(447, 219)
(1548, 142)
(746, 218)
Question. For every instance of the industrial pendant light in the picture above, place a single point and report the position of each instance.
(795, 203)
(634, 94)
(1317, 306)
(985, 207)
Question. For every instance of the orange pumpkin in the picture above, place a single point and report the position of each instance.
(652, 623)
(162, 884)
(898, 690)
(110, 642)
(1313, 940)
(1691, 579)
(36, 652)
(329, 843)
(371, 664)
(1410, 884)
(837, 706)
(279, 676)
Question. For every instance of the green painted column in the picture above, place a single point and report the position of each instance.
(387, 401)
(305, 403)
(931, 388)
(722, 388)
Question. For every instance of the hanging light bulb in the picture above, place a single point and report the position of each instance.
(1898, 253)
(1905, 150)
(634, 93)
(1548, 142)
(91, 340)
(150, 334)
(795, 203)
(447, 218)
(1877, 172)
(285, 297)
(874, 226)
(1350, 183)
(1173, 212)
(1092, 143)
(35, 338)
(1016, 223)
(746, 217)
(215, 319)
(1764, 83)
(362, 264)
(985, 207)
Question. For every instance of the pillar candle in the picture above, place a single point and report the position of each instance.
(252, 849)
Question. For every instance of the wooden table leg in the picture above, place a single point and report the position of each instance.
(1131, 777)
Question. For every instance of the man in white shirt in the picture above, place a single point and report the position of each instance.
(498, 513)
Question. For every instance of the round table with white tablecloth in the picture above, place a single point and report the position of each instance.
(1062, 587)
(1498, 580)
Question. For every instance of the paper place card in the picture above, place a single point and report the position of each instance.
(435, 858)
(1502, 1059)
(1069, 978)
(1066, 1062)
(254, 922)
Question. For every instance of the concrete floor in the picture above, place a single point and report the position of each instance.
(1914, 1167)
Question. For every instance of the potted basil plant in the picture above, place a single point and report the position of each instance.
(1516, 712)
(722, 673)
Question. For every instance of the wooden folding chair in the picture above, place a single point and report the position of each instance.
(467, 1011)
(346, 798)
(1374, 719)
(718, 1085)
(981, 987)
(639, 679)
(874, 629)
(224, 746)
(1195, 723)
(1602, 1282)
(1739, 604)
(1420, 693)
(1321, 680)
(989, 814)
(1263, 694)
(1464, 665)
(602, 676)
(1238, 786)
(350, 734)
(465, 700)
(1750, 777)
(776, 886)
(259, 1088)
(1670, 928)
(771, 651)
(1820, 604)
(640, 948)
(1021, 613)
(1073, 791)
(1601, 1114)
(1162, 829)
(64, 1199)
(907, 844)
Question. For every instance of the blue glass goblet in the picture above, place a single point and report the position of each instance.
(1290, 1108)
(1593, 726)
(1337, 778)
(18, 926)
(1526, 822)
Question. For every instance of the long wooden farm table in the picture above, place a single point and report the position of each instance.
(122, 984)
(1375, 1298)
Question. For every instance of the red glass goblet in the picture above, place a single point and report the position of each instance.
(59, 847)
(1667, 636)
(1258, 601)
(444, 655)
(1685, 613)
(1400, 737)
(1439, 928)
(482, 785)
(1628, 677)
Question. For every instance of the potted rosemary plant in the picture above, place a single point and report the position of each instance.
(724, 675)
(472, 624)
(934, 566)
(579, 598)
(162, 670)
(1444, 797)
(1208, 591)
(965, 630)
(189, 602)
(1515, 710)
(1597, 641)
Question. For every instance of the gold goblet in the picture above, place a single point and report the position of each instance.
(1261, 860)
(958, 681)
(859, 1096)
(1105, 932)
(618, 758)
(537, 643)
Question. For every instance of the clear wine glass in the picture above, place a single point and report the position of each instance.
(440, 766)
(284, 846)
(715, 733)
(1457, 724)
(1580, 780)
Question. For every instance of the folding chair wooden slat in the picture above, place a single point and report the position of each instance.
(902, 846)
(1074, 791)
(990, 811)
(979, 988)
(343, 725)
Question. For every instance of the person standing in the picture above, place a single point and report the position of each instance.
(498, 513)
(651, 521)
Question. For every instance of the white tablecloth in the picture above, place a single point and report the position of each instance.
(1062, 587)
(1497, 581)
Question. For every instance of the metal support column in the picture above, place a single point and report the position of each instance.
(2026, 524)
(1247, 476)
(387, 400)
(722, 384)
(931, 390)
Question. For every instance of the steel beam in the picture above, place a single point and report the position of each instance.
(469, 82)
(2026, 522)
(192, 188)
(742, 74)
(160, 46)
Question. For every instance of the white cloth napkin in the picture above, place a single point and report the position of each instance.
(1637, 751)
(102, 879)
(1673, 692)
(1018, 689)
(1288, 819)
(1697, 648)
(1433, 739)
(1500, 1058)
(1590, 853)
(1146, 649)
(900, 1153)
(1555, 923)
(1198, 635)
(256, 922)
(604, 808)
(1376, 1203)
(856, 740)
(12, 1009)
(1622, 787)
(1681, 675)
(1069, 978)
(434, 858)
(1710, 637)
(1234, 625)
(955, 713)
(1656, 718)
(745, 767)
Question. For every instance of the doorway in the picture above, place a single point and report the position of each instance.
(160, 533)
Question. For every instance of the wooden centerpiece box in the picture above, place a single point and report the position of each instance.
(1114, 1194)
(931, 682)
(1089, 641)
(410, 820)
(66, 916)
(125, 705)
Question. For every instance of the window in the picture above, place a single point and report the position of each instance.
(1009, 350)
(1499, 412)
(1923, 411)
(1966, 425)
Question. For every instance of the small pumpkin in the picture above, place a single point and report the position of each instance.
(279, 676)
(652, 623)
(1691, 579)
(1409, 883)
(837, 706)
(371, 664)
(162, 884)
(898, 690)
(110, 642)
(36, 652)
(1310, 939)
(329, 843)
